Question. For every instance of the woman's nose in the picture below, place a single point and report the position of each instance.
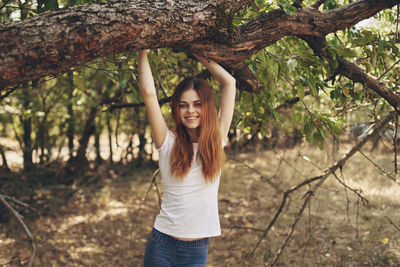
(191, 108)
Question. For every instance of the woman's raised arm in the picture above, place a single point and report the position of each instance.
(147, 90)
(228, 92)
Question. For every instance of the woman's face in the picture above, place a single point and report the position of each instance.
(190, 109)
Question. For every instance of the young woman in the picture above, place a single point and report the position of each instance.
(190, 158)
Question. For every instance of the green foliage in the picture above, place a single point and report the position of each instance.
(287, 7)
(47, 5)
(288, 69)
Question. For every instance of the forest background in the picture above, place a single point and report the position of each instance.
(312, 168)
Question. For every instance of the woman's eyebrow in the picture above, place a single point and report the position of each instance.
(196, 101)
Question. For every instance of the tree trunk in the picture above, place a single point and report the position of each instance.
(26, 121)
(42, 137)
(109, 132)
(71, 118)
(97, 132)
(87, 132)
(77, 165)
(142, 152)
(4, 159)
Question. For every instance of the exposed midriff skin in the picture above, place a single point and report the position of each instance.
(186, 239)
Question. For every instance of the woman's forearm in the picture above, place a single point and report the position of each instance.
(146, 81)
(219, 73)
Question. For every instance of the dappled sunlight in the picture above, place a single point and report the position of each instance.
(334, 214)
(113, 208)
(77, 252)
(103, 227)
(369, 190)
(6, 241)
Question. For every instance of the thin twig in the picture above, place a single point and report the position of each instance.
(281, 249)
(5, 3)
(279, 211)
(364, 200)
(357, 216)
(389, 69)
(246, 228)
(309, 232)
(392, 223)
(397, 23)
(396, 125)
(26, 229)
(20, 203)
(9, 92)
(282, 158)
(94, 68)
(132, 105)
(274, 185)
(135, 215)
(379, 168)
(347, 195)
(158, 194)
(290, 102)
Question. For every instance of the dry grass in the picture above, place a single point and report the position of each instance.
(98, 227)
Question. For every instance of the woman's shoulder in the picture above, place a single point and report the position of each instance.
(172, 132)
(168, 141)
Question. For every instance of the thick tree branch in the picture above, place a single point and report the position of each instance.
(55, 41)
(353, 72)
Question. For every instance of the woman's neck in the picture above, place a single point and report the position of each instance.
(193, 134)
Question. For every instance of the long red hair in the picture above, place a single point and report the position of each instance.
(210, 150)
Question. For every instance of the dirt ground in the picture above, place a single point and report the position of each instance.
(107, 222)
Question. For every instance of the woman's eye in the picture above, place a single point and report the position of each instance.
(183, 106)
(197, 105)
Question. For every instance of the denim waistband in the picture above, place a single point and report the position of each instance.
(201, 243)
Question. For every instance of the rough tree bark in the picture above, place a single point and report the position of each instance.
(55, 41)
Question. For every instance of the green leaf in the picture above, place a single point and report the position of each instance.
(313, 89)
(395, 49)
(286, 7)
(123, 84)
(291, 64)
(300, 89)
(50, 5)
(345, 52)
(80, 82)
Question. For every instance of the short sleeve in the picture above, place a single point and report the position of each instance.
(167, 144)
(223, 142)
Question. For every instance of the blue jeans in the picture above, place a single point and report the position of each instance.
(165, 251)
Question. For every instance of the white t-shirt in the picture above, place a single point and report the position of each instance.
(190, 207)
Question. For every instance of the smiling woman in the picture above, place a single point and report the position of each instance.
(191, 159)
(190, 111)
